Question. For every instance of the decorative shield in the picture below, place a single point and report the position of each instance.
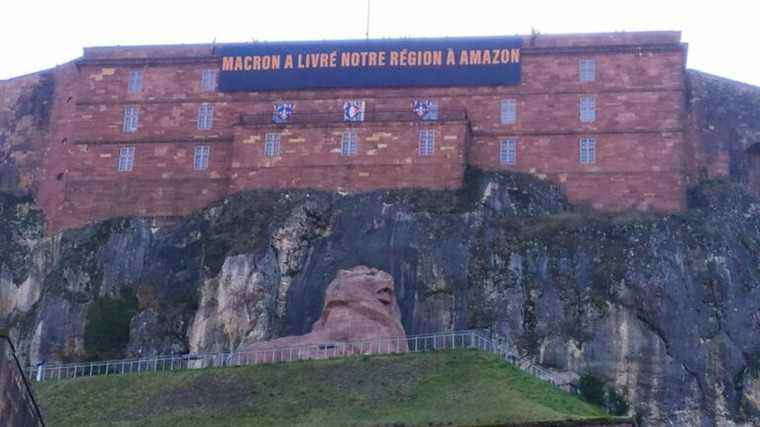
(282, 112)
(353, 111)
(425, 109)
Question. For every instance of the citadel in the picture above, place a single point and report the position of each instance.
(161, 130)
(393, 199)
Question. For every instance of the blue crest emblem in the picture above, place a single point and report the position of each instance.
(282, 112)
(353, 111)
(425, 109)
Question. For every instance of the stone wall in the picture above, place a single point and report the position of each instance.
(17, 405)
(639, 93)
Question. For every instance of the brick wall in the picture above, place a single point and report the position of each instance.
(387, 157)
(642, 153)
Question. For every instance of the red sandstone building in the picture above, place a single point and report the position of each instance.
(146, 130)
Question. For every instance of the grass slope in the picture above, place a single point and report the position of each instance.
(449, 388)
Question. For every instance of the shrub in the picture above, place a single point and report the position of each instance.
(107, 329)
(594, 391)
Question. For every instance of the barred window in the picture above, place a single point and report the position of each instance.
(131, 119)
(348, 143)
(588, 151)
(272, 145)
(427, 142)
(135, 81)
(432, 114)
(588, 109)
(508, 151)
(208, 80)
(206, 116)
(587, 70)
(508, 111)
(200, 160)
(126, 159)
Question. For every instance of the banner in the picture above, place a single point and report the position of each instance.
(471, 61)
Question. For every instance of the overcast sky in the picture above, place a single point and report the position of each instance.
(722, 35)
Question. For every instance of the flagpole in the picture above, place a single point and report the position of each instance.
(368, 8)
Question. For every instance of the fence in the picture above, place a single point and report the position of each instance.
(327, 350)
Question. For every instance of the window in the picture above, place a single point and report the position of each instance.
(126, 159)
(588, 109)
(272, 145)
(588, 151)
(587, 70)
(508, 111)
(206, 116)
(426, 109)
(131, 119)
(200, 160)
(508, 151)
(353, 111)
(208, 80)
(427, 142)
(348, 143)
(135, 81)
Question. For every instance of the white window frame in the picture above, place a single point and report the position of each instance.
(508, 151)
(131, 120)
(126, 160)
(272, 145)
(587, 70)
(587, 108)
(201, 157)
(208, 80)
(426, 143)
(206, 116)
(587, 150)
(508, 111)
(348, 143)
(135, 83)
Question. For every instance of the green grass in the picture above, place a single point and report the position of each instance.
(442, 388)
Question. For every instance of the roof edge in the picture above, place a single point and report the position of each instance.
(537, 40)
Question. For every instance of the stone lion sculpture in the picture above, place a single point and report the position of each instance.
(360, 305)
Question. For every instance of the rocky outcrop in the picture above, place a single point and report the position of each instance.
(25, 107)
(360, 304)
(724, 128)
(664, 309)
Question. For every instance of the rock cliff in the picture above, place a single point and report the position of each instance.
(665, 309)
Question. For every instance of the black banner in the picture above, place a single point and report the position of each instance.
(472, 61)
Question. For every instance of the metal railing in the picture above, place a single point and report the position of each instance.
(374, 116)
(326, 350)
(499, 345)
